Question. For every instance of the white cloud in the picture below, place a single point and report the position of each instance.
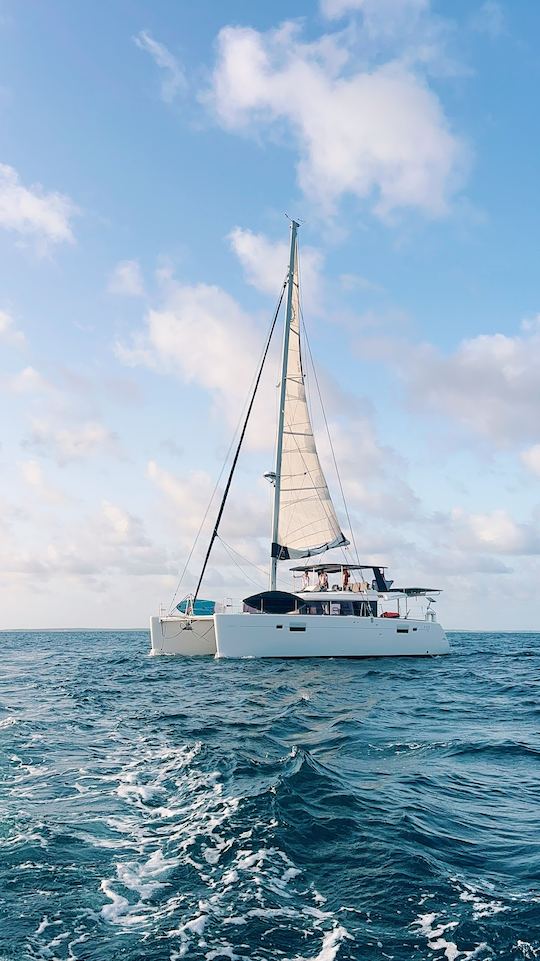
(406, 30)
(190, 494)
(373, 475)
(375, 133)
(203, 336)
(265, 263)
(9, 332)
(121, 527)
(496, 532)
(77, 442)
(31, 211)
(490, 384)
(246, 517)
(32, 474)
(94, 548)
(174, 81)
(126, 279)
(28, 381)
(531, 459)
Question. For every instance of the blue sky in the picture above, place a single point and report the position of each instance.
(148, 156)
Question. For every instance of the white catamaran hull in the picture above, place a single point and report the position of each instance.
(274, 635)
(183, 635)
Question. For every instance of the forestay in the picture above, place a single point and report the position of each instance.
(307, 519)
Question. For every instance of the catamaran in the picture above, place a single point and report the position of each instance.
(337, 609)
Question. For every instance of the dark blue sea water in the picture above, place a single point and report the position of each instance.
(167, 808)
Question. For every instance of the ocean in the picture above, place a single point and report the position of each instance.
(167, 808)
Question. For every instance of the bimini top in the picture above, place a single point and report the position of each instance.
(336, 568)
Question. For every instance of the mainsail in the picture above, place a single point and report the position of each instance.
(304, 516)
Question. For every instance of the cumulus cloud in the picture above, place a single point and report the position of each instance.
(490, 384)
(377, 133)
(126, 279)
(496, 532)
(174, 81)
(32, 212)
(373, 475)
(265, 263)
(71, 443)
(28, 381)
(244, 529)
(202, 335)
(190, 494)
(33, 475)
(108, 541)
(121, 527)
(9, 332)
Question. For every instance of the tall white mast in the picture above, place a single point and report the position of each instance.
(282, 395)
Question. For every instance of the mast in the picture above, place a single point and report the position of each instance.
(282, 394)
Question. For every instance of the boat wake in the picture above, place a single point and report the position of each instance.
(295, 811)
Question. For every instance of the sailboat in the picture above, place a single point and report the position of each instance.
(335, 609)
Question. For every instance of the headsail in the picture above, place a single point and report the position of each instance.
(307, 521)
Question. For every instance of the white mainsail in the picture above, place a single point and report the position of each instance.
(307, 521)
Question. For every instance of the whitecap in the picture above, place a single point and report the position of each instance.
(113, 912)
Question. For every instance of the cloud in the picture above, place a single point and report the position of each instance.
(9, 332)
(382, 11)
(246, 518)
(174, 81)
(126, 279)
(489, 19)
(378, 134)
(496, 532)
(108, 541)
(531, 459)
(373, 475)
(350, 282)
(121, 527)
(202, 335)
(77, 442)
(28, 381)
(265, 263)
(190, 494)
(31, 212)
(490, 384)
(32, 474)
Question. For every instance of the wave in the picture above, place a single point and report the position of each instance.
(321, 811)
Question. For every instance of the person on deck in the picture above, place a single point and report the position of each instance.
(346, 578)
(323, 581)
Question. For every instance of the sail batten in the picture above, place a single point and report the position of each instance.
(307, 521)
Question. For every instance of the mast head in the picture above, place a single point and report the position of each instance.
(295, 224)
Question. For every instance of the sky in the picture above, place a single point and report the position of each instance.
(150, 155)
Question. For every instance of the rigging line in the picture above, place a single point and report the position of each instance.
(225, 461)
(233, 559)
(241, 438)
(261, 570)
(213, 494)
(329, 436)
